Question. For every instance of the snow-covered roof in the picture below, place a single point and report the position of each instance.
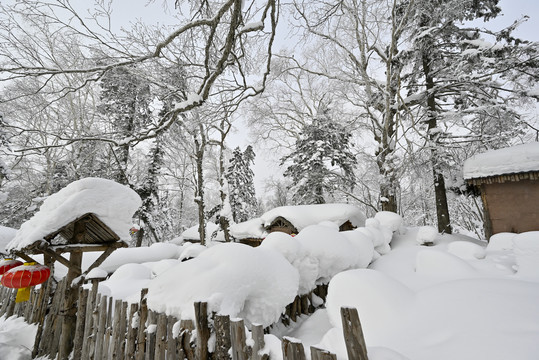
(6, 235)
(510, 160)
(248, 229)
(114, 204)
(302, 216)
(192, 232)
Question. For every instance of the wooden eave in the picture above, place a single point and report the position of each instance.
(530, 175)
(284, 222)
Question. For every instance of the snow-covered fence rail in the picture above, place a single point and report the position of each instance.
(118, 330)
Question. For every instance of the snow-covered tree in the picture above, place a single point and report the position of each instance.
(459, 79)
(241, 186)
(3, 147)
(322, 161)
(125, 100)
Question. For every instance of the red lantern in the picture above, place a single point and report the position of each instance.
(8, 264)
(23, 277)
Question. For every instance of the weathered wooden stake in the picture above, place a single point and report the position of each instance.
(99, 346)
(81, 321)
(203, 330)
(320, 354)
(353, 334)
(160, 337)
(259, 343)
(222, 332)
(237, 339)
(292, 349)
(141, 334)
(131, 340)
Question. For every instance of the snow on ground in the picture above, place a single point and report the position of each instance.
(514, 159)
(456, 299)
(16, 338)
(114, 204)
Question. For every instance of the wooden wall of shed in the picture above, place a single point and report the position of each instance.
(512, 206)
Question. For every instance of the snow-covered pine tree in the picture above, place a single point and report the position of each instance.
(240, 179)
(322, 161)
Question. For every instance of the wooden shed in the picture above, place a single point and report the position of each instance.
(508, 180)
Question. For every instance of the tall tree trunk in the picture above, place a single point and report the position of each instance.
(200, 144)
(224, 222)
(442, 210)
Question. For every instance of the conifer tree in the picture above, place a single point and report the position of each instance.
(321, 161)
(240, 179)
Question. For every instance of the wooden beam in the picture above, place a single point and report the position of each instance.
(100, 259)
(88, 247)
(58, 258)
(24, 256)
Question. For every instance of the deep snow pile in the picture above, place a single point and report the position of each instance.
(235, 279)
(113, 203)
(16, 338)
(257, 283)
(459, 299)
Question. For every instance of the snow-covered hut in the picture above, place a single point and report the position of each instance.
(508, 180)
(90, 214)
(293, 219)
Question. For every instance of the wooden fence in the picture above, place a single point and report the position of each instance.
(118, 330)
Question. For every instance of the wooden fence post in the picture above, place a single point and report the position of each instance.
(150, 335)
(257, 332)
(203, 330)
(222, 333)
(186, 329)
(292, 349)
(78, 341)
(143, 316)
(102, 326)
(237, 339)
(353, 334)
(320, 354)
(113, 347)
(172, 342)
(131, 340)
(160, 337)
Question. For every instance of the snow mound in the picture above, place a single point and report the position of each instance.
(234, 279)
(302, 216)
(515, 159)
(466, 250)
(379, 299)
(296, 254)
(501, 241)
(332, 250)
(389, 219)
(112, 203)
(16, 338)
(426, 235)
(526, 249)
(442, 264)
